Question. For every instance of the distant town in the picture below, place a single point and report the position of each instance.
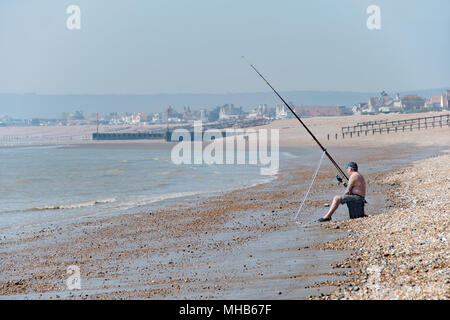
(384, 103)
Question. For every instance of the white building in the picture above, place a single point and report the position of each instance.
(281, 112)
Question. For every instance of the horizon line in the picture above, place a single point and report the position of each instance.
(215, 93)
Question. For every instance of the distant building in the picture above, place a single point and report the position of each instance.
(385, 100)
(260, 112)
(156, 118)
(188, 114)
(372, 105)
(317, 111)
(438, 102)
(412, 102)
(229, 112)
(397, 103)
(203, 115)
(435, 102)
(139, 118)
(388, 104)
(281, 112)
(200, 114)
(446, 100)
(77, 115)
(382, 103)
(359, 108)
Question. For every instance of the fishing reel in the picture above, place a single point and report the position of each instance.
(339, 179)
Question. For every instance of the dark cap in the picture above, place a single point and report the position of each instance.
(352, 165)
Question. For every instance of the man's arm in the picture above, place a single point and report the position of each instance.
(351, 182)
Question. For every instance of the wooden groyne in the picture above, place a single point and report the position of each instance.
(129, 136)
(194, 136)
(383, 126)
(167, 135)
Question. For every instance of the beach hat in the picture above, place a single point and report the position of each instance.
(352, 165)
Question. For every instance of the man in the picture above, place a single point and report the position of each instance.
(356, 191)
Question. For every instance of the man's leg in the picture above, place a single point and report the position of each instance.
(333, 207)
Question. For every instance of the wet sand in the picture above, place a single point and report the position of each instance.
(241, 244)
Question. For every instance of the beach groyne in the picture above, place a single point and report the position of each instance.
(384, 126)
(167, 134)
(130, 136)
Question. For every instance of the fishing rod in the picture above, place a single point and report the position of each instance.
(298, 118)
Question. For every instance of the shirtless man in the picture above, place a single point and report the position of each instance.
(356, 190)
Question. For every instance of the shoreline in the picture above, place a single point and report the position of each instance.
(238, 244)
(251, 225)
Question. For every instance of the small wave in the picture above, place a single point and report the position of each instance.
(144, 200)
(163, 173)
(288, 155)
(73, 206)
(161, 184)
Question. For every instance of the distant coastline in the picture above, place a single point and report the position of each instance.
(32, 105)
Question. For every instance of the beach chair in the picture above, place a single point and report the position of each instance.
(356, 209)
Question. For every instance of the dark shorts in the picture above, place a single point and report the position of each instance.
(351, 198)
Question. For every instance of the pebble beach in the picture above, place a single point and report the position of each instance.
(403, 253)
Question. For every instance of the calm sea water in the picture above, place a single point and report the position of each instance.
(42, 184)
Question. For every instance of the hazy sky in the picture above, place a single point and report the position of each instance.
(175, 46)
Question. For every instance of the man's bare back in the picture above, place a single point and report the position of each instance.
(356, 185)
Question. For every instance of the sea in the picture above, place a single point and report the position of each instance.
(45, 184)
(41, 184)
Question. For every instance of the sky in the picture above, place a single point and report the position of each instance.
(178, 46)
